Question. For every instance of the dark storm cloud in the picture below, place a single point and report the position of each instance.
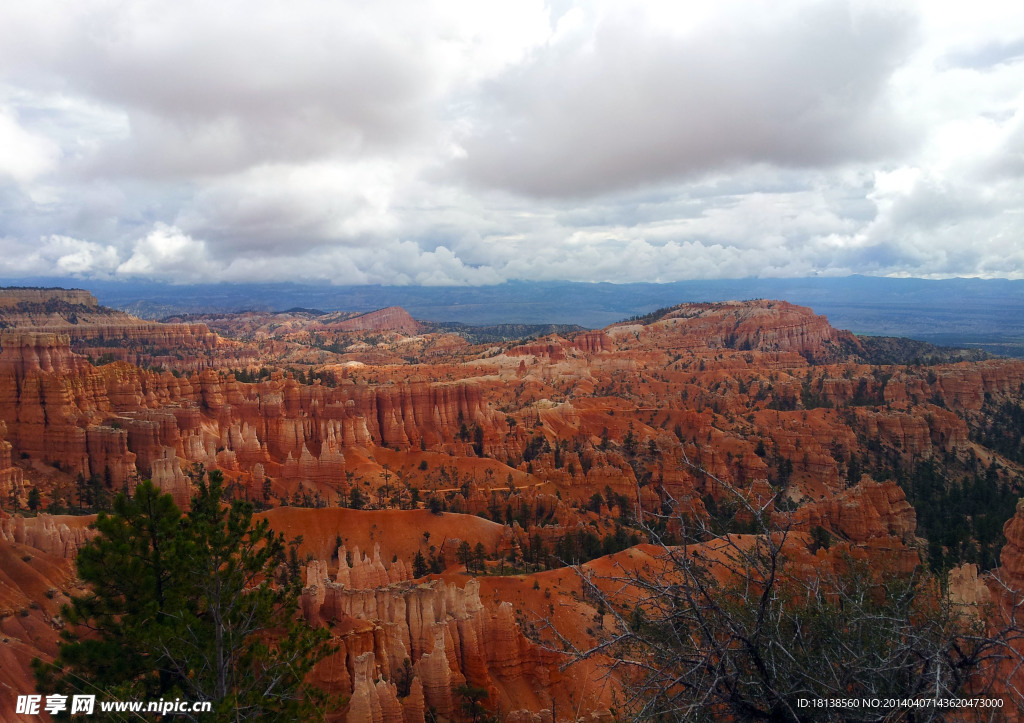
(633, 104)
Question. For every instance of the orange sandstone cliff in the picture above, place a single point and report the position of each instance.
(378, 441)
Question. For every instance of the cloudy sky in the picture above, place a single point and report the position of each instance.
(473, 142)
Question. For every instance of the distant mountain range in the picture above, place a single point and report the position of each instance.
(985, 314)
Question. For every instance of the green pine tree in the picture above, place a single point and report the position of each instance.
(419, 565)
(464, 554)
(129, 609)
(183, 605)
(34, 499)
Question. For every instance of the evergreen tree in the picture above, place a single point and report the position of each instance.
(130, 610)
(356, 499)
(480, 553)
(464, 554)
(629, 443)
(219, 646)
(473, 698)
(478, 440)
(419, 565)
(189, 611)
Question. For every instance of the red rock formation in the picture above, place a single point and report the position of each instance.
(12, 479)
(11, 296)
(551, 351)
(33, 585)
(919, 435)
(864, 512)
(675, 411)
(593, 342)
(967, 589)
(25, 352)
(414, 705)
(775, 326)
(436, 675)
(1012, 556)
(447, 633)
(55, 405)
(59, 536)
(393, 318)
(105, 333)
(377, 702)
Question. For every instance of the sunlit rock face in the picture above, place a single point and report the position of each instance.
(448, 635)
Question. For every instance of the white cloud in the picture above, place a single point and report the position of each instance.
(76, 257)
(389, 263)
(468, 142)
(168, 253)
(273, 208)
(216, 89)
(639, 100)
(61, 255)
(23, 155)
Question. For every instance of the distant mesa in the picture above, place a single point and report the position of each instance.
(100, 333)
(762, 325)
(393, 318)
(12, 296)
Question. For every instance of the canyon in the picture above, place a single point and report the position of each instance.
(381, 442)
